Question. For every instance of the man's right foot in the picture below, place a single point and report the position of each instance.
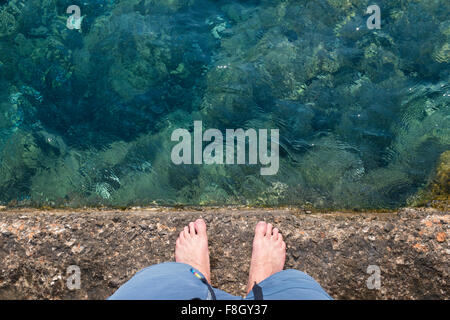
(192, 248)
(268, 256)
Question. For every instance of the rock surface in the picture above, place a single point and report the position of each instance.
(410, 247)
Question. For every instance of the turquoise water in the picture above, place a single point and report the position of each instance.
(86, 115)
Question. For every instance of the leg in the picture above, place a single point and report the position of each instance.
(266, 270)
(192, 248)
(268, 256)
(291, 285)
(165, 281)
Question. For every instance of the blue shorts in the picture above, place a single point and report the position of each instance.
(179, 281)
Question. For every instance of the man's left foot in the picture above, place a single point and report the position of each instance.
(192, 248)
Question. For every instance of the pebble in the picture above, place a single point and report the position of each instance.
(388, 227)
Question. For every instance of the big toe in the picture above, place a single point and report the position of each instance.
(200, 226)
(260, 229)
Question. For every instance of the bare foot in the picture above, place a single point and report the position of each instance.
(192, 247)
(268, 256)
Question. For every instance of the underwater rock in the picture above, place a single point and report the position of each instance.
(441, 183)
(8, 24)
(39, 32)
(330, 161)
(442, 54)
(20, 156)
(229, 98)
(436, 192)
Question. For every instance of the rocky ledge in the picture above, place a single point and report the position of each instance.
(410, 247)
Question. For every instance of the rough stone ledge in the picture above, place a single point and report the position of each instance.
(410, 246)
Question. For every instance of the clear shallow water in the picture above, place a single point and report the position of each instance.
(86, 116)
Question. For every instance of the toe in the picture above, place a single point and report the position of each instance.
(269, 230)
(280, 237)
(275, 234)
(186, 232)
(181, 236)
(200, 227)
(192, 228)
(260, 229)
